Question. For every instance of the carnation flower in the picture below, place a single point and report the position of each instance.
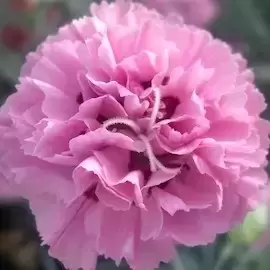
(197, 12)
(130, 133)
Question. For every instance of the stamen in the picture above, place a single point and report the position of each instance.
(166, 169)
(127, 122)
(157, 100)
(150, 153)
(154, 162)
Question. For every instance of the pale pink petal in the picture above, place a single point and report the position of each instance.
(151, 220)
(148, 255)
(71, 236)
(168, 202)
(117, 227)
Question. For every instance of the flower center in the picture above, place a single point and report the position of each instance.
(167, 108)
(158, 108)
(79, 99)
(147, 161)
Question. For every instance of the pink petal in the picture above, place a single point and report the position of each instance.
(228, 130)
(117, 227)
(186, 227)
(251, 180)
(111, 199)
(84, 145)
(151, 220)
(71, 236)
(130, 187)
(86, 175)
(149, 254)
(169, 202)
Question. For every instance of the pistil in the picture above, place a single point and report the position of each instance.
(156, 107)
(154, 163)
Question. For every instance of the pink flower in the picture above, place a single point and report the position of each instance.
(197, 12)
(130, 134)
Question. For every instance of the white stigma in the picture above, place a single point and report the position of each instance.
(122, 121)
(156, 107)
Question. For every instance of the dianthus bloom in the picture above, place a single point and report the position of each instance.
(130, 134)
(197, 12)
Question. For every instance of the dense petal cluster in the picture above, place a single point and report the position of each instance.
(130, 133)
(196, 12)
